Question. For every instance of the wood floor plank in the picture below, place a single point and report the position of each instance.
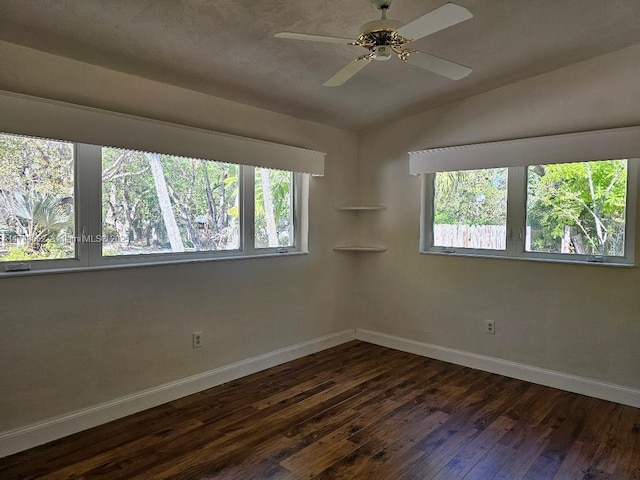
(393, 447)
(475, 450)
(113, 463)
(613, 452)
(356, 411)
(402, 374)
(566, 434)
(581, 454)
(259, 429)
(444, 444)
(525, 454)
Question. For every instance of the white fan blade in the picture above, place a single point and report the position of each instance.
(443, 17)
(314, 38)
(448, 69)
(347, 72)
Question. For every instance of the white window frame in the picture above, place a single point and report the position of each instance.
(88, 224)
(516, 224)
(249, 224)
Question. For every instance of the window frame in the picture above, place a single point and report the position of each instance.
(516, 224)
(88, 224)
(296, 185)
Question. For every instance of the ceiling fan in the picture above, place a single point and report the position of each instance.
(385, 36)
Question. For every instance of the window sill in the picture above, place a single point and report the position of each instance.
(529, 259)
(94, 268)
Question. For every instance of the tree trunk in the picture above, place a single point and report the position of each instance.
(126, 214)
(602, 235)
(566, 240)
(169, 218)
(267, 198)
(223, 214)
(578, 244)
(210, 202)
(193, 233)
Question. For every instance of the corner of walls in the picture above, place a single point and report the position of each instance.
(579, 320)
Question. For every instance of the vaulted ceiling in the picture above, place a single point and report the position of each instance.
(226, 47)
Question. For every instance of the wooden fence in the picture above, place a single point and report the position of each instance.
(470, 236)
(492, 237)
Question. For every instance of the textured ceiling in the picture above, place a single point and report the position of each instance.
(226, 47)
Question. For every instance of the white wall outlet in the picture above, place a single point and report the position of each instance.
(197, 339)
(490, 327)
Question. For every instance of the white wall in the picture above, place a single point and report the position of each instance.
(73, 340)
(582, 320)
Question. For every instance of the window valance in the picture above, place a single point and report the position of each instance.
(34, 116)
(573, 147)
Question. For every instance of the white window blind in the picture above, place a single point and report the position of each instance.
(27, 115)
(567, 148)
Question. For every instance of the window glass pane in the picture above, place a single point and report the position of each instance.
(155, 203)
(36, 199)
(273, 208)
(470, 209)
(577, 208)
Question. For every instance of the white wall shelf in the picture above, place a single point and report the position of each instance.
(360, 248)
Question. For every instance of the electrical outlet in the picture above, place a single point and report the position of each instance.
(490, 327)
(197, 339)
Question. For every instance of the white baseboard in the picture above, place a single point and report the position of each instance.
(37, 434)
(550, 378)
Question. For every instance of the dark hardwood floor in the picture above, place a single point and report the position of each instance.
(356, 411)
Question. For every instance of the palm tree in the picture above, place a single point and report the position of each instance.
(39, 217)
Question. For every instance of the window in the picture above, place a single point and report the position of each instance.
(273, 208)
(577, 208)
(470, 209)
(164, 204)
(79, 205)
(37, 214)
(581, 211)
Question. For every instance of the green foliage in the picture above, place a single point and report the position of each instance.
(41, 215)
(31, 164)
(36, 196)
(584, 203)
(280, 188)
(17, 253)
(52, 249)
(473, 197)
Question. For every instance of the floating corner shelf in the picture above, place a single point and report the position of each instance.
(359, 248)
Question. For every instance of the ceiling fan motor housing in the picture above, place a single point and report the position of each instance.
(382, 25)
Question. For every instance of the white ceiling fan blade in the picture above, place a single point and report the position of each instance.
(448, 69)
(443, 17)
(314, 38)
(347, 72)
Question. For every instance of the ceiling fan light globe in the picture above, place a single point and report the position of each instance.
(382, 53)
